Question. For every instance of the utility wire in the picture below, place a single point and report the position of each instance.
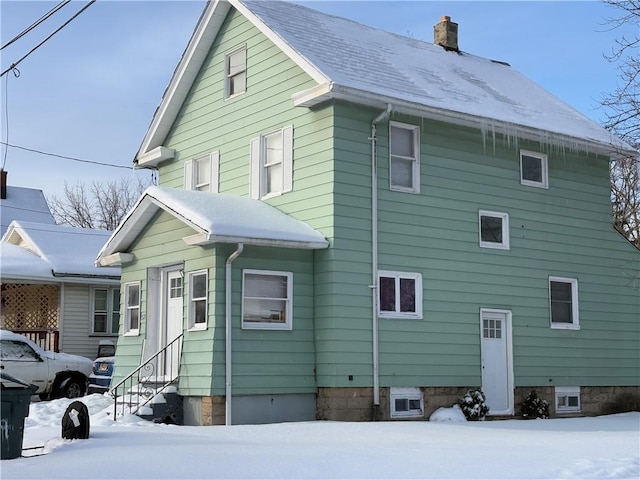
(36, 23)
(14, 65)
(66, 157)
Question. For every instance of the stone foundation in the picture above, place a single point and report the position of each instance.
(353, 404)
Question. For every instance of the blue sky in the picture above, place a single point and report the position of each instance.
(90, 91)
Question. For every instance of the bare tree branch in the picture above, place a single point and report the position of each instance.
(100, 205)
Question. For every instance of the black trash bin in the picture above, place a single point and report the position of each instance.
(15, 399)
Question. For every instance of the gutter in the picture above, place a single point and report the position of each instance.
(374, 252)
(228, 327)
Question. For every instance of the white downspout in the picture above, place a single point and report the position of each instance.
(374, 253)
(228, 327)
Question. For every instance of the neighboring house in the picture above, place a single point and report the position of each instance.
(483, 256)
(19, 203)
(51, 290)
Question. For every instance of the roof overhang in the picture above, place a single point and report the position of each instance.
(331, 91)
(207, 214)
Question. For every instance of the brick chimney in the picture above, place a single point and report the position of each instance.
(445, 34)
(3, 184)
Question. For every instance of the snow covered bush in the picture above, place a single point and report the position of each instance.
(473, 405)
(534, 407)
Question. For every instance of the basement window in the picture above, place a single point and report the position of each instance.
(567, 399)
(406, 402)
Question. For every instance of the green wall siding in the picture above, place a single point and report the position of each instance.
(564, 230)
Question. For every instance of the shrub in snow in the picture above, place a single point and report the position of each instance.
(444, 414)
(534, 407)
(473, 405)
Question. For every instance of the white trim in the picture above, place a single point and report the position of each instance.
(288, 312)
(544, 166)
(409, 394)
(509, 340)
(192, 325)
(128, 331)
(504, 245)
(415, 165)
(153, 157)
(418, 295)
(575, 311)
(567, 392)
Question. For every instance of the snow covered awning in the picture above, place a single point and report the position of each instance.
(215, 218)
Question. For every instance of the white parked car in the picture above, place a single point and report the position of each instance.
(55, 374)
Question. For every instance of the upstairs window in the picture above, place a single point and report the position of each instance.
(494, 229)
(201, 173)
(106, 311)
(198, 300)
(563, 298)
(400, 294)
(235, 72)
(267, 299)
(132, 308)
(533, 169)
(404, 162)
(272, 163)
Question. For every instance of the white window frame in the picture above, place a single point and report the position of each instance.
(128, 330)
(505, 244)
(258, 166)
(417, 277)
(110, 312)
(193, 299)
(288, 312)
(562, 394)
(191, 182)
(544, 165)
(415, 171)
(575, 313)
(228, 75)
(409, 394)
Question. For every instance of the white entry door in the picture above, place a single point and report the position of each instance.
(497, 370)
(172, 322)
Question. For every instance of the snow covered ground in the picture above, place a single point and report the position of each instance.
(587, 448)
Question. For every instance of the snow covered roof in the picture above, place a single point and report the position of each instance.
(33, 250)
(361, 64)
(27, 204)
(215, 218)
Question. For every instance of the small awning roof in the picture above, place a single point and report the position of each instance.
(215, 218)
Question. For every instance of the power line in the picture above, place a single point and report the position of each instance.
(14, 65)
(65, 157)
(36, 23)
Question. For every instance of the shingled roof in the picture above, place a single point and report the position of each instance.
(365, 65)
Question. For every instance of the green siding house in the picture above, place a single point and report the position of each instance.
(355, 225)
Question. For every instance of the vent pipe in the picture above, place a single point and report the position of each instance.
(3, 184)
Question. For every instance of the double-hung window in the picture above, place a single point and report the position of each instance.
(493, 229)
(563, 299)
(105, 311)
(400, 294)
(198, 300)
(404, 160)
(235, 72)
(267, 299)
(272, 163)
(201, 173)
(132, 308)
(534, 169)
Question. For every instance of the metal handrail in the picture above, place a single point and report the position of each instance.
(149, 384)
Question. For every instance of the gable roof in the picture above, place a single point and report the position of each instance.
(361, 64)
(67, 252)
(215, 218)
(27, 204)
